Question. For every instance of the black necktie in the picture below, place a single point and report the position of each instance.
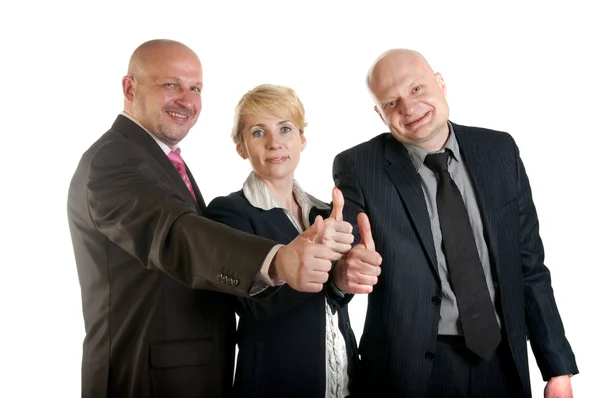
(476, 311)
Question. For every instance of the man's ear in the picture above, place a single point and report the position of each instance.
(241, 150)
(128, 85)
(440, 81)
(379, 113)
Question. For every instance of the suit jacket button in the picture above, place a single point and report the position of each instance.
(235, 282)
(436, 300)
(429, 355)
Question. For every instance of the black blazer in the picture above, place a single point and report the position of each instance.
(150, 266)
(281, 337)
(400, 330)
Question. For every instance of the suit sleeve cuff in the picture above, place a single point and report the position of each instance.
(336, 290)
(262, 280)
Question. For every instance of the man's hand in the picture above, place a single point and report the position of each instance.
(304, 264)
(357, 272)
(559, 387)
(337, 233)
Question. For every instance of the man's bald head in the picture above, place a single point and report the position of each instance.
(410, 98)
(152, 51)
(395, 58)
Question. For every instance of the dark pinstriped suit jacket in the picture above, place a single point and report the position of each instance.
(400, 330)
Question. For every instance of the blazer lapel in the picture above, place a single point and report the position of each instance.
(280, 221)
(135, 133)
(477, 158)
(408, 184)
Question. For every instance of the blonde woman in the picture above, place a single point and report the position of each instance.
(291, 344)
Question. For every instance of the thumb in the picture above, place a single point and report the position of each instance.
(337, 213)
(315, 230)
(364, 228)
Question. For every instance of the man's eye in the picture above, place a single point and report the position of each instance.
(197, 90)
(169, 85)
(416, 89)
(390, 104)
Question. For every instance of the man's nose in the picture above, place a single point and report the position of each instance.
(188, 99)
(407, 106)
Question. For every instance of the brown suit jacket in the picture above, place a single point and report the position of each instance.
(153, 272)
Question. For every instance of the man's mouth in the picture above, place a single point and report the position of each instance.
(177, 115)
(410, 124)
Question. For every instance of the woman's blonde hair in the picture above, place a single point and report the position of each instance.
(271, 99)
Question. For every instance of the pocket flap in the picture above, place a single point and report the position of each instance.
(173, 354)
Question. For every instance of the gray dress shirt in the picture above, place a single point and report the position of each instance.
(449, 317)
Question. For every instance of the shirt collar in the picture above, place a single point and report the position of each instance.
(418, 154)
(161, 144)
(259, 196)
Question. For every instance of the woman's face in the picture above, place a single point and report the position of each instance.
(273, 145)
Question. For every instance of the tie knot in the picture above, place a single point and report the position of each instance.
(437, 162)
(176, 159)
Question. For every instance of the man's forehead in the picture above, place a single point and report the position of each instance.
(395, 78)
(175, 68)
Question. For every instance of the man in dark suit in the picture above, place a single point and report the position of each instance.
(463, 282)
(153, 271)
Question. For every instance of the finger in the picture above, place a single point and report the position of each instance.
(364, 255)
(356, 288)
(341, 237)
(364, 228)
(338, 204)
(356, 266)
(337, 247)
(340, 226)
(362, 279)
(309, 287)
(365, 269)
(315, 230)
(317, 277)
(319, 259)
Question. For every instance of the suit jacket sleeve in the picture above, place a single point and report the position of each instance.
(132, 205)
(547, 335)
(274, 300)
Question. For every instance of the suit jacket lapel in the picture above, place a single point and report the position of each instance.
(199, 197)
(477, 159)
(139, 136)
(408, 184)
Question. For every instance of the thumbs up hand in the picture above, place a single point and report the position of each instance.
(304, 264)
(357, 272)
(337, 233)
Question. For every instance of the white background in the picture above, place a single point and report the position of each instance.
(527, 68)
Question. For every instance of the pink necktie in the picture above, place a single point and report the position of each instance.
(177, 161)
